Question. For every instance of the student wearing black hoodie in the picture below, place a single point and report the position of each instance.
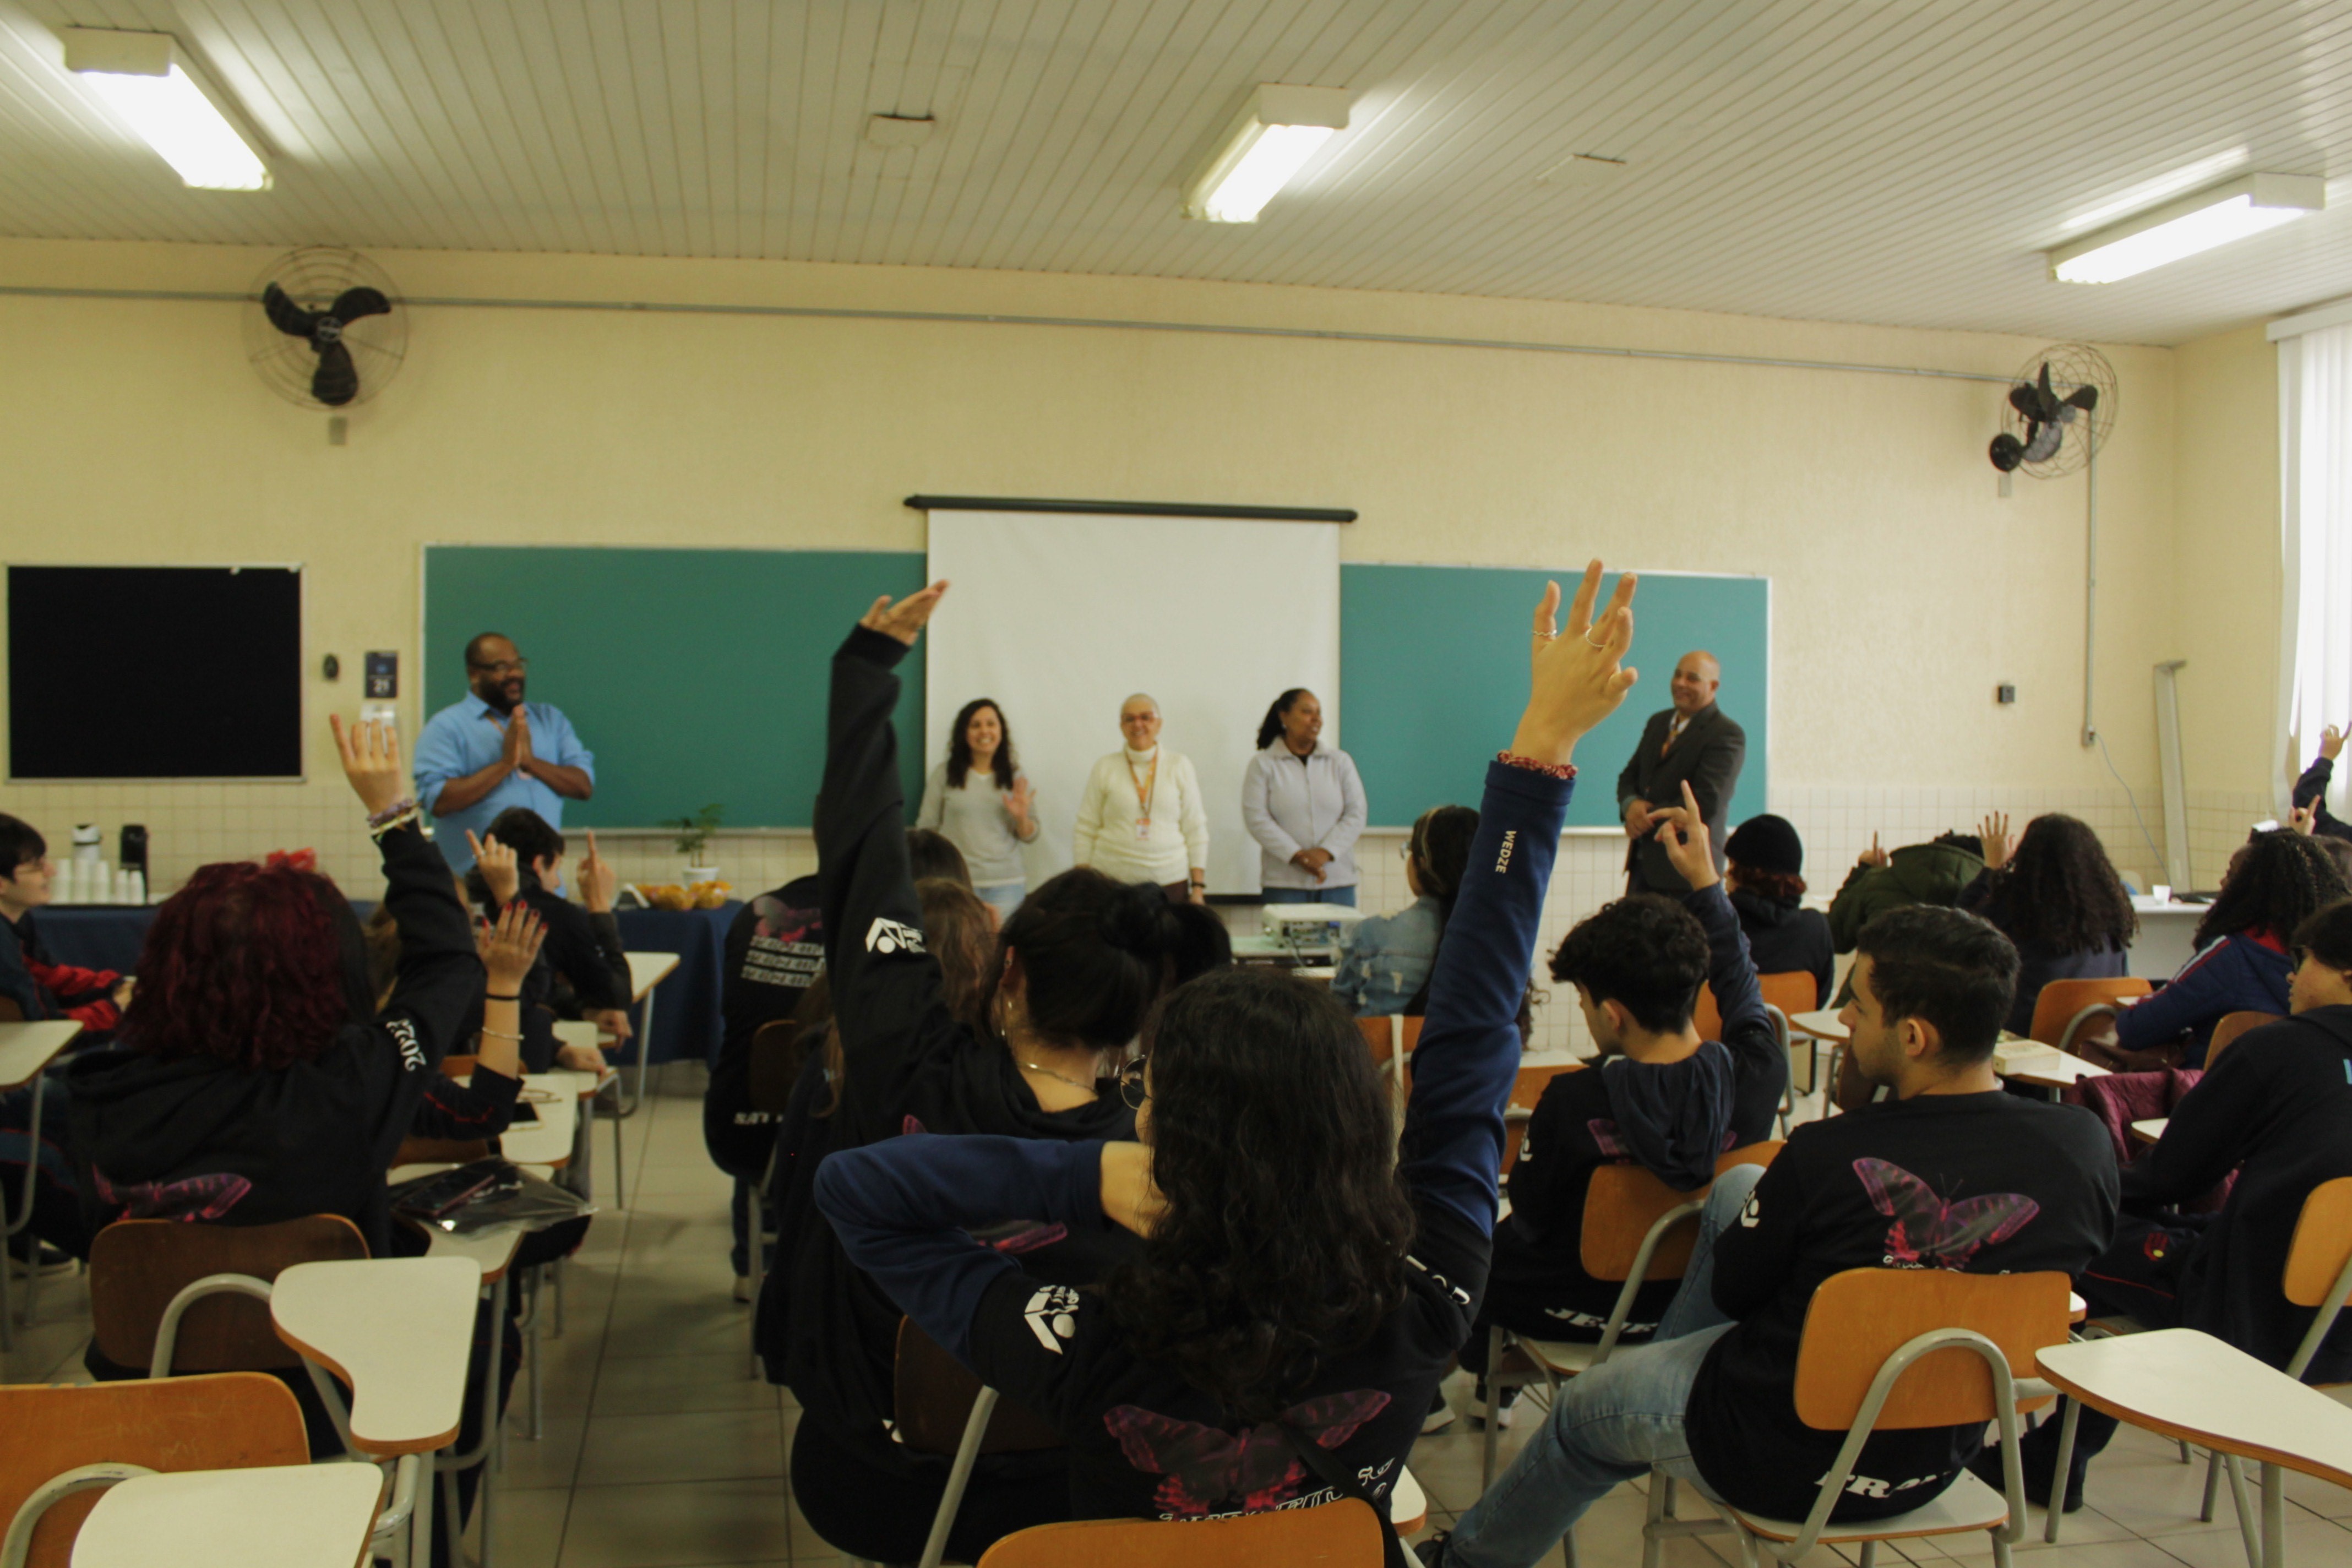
(1765, 876)
(2277, 1110)
(1661, 1097)
(1074, 970)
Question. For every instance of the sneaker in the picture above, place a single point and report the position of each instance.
(1440, 1417)
(52, 1261)
(1986, 1467)
(1502, 1407)
(1430, 1549)
(743, 1287)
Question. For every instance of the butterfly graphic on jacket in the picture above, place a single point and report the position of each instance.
(194, 1198)
(1931, 1232)
(1204, 1465)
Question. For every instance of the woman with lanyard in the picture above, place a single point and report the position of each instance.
(1303, 803)
(1141, 818)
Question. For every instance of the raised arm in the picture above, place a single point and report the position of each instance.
(439, 975)
(1462, 1070)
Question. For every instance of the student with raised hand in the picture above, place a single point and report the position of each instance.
(2310, 795)
(1384, 968)
(1712, 1397)
(588, 965)
(1936, 872)
(1065, 991)
(2056, 897)
(1660, 1096)
(2276, 881)
(1304, 1280)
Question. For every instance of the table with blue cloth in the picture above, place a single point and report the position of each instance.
(686, 1015)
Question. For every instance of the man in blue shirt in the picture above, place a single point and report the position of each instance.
(493, 749)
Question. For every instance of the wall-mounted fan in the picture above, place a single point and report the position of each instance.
(2062, 404)
(327, 328)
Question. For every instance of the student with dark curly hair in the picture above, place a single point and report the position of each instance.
(2056, 897)
(1029, 1048)
(1660, 1096)
(2276, 881)
(1303, 1281)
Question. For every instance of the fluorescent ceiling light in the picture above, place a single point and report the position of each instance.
(1267, 143)
(145, 79)
(2216, 216)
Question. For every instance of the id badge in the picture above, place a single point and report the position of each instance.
(1143, 829)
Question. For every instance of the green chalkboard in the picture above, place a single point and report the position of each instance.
(694, 675)
(1434, 673)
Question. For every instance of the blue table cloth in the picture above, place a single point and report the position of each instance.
(685, 1011)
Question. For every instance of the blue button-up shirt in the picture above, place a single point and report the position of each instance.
(467, 737)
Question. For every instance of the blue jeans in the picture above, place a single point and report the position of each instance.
(1003, 897)
(1346, 895)
(1614, 1423)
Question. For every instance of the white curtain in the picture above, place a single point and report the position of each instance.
(2315, 490)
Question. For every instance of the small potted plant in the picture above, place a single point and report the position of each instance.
(694, 842)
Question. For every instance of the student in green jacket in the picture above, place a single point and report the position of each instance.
(1930, 873)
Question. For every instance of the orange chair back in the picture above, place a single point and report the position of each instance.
(2231, 1026)
(137, 1266)
(228, 1421)
(1525, 1090)
(2323, 1240)
(1792, 992)
(2061, 999)
(932, 1396)
(1861, 1316)
(1624, 1201)
(1342, 1534)
(1379, 1035)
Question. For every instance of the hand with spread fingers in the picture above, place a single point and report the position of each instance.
(905, 619)
(1576, 678)
(509, 946)
(2331, 742)
(1993, 833)
(371, 759)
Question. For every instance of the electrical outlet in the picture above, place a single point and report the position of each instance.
(2004, 694)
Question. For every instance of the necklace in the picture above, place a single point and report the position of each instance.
(1049, 1072)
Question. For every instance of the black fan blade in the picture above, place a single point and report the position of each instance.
(2048, 394)
(2085, 398)
(286, 315)
(2023, 398)
(353, 304)
(336, 381)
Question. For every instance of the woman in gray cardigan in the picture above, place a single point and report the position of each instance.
(1305, 805)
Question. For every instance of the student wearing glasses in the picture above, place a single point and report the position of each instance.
(493, 749)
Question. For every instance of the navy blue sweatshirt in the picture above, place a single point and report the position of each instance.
(1143, 1443)
(2246, 971)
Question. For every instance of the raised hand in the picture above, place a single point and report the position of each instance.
(905, 619)
(500, 873)
(1875, 855)
(2331, 742)
(2304, 820)
(598, 881)
(371, 758)
(1575, 678)
(1682, 833)
(511, 947)
(1994, 832)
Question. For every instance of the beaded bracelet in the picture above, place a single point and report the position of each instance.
(1555, 770)
(385, 817)
(376, 830)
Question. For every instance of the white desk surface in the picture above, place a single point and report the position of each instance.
(398, 1330)
(583, 1085)
(2182, 1383)
(492, 1251)
(2049, 1067)
(1257, 944)
(2152, 1130)
(648, 970)
(1822, 1025)
(548, 1140)
(274, 1516)
(26, 1048)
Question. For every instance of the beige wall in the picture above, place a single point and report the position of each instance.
(1905, 588)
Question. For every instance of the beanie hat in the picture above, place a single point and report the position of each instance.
(1767, 843)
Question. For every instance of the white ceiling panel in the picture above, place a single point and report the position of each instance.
(1885, 160)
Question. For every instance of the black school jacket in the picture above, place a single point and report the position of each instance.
(2277, 1108)
(1709, 755)
(910, 1069)
(196, 1139)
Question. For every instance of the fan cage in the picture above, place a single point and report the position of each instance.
(2072, 365)
(313, 278)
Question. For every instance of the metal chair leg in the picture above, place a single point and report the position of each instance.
(2057, 1510)
(2213, 1487)
(2248, 1526)
(1494, 1402)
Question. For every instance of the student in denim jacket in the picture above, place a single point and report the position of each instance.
(1384, 970)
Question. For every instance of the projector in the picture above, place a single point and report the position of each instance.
(1308, 925)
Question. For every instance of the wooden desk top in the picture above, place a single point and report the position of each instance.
(274, 1516)
(26, 1048)
(398, 1330)
(648, 970)
(2184, 1384)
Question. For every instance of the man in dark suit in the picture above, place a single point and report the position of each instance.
(1694, 741)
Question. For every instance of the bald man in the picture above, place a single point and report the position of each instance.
(1692, 741)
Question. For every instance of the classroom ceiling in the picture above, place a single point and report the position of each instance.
(1880, 161)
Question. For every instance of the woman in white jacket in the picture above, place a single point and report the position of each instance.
(1141, 818)
(1305, 805)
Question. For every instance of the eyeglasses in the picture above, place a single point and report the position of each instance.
(504, 667)
(1131, 1085)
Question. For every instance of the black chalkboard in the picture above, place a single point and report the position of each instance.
(135, 672)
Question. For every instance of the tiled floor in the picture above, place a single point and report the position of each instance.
(659, 1453)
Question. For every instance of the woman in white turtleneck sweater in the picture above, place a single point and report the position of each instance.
(1141, 818)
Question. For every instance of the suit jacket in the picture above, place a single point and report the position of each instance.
(1708, 753)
